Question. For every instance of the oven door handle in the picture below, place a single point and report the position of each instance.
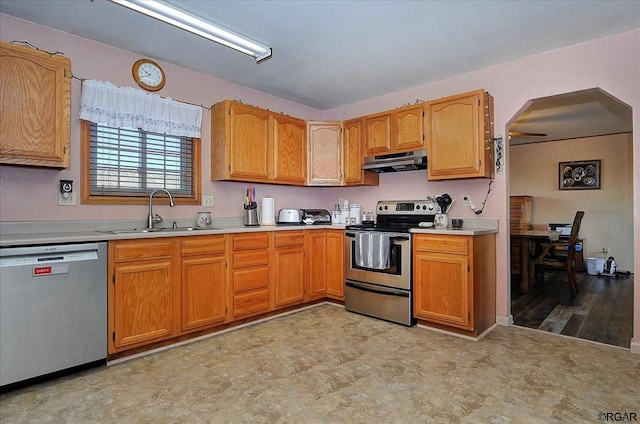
(392, 238)
(376, 291)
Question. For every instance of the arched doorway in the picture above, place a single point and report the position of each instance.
(584, 125)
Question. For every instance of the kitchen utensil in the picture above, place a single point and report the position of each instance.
(444, 201)
(251, 215)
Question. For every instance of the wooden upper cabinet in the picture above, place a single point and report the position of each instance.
(35, 105)
(399, 130)
(324, 153)
(240, 144)
(353, 157)
(377, 130)
(409, 128)
(290, 149)
(460, 136)
(253, 144)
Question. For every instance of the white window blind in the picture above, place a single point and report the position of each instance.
(127, 162)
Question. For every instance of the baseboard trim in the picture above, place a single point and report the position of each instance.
(504, 321)
(462, 336)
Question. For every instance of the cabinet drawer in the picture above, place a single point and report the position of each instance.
(250, 303)
(248, 259)
(201, 245)
(250, 241)
(289, 238)
(444, 244)
(132, 250)
(250, 279)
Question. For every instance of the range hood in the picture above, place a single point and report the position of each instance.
(396, 162)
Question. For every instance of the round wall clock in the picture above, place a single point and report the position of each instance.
(148, 74)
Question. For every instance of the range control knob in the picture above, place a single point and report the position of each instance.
(380, 208)
(386, 207)
(417, 207)
(424, 207)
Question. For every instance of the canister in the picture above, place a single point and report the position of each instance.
(354, 213)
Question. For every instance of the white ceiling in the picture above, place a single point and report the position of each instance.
(331, 53)
(585, 113)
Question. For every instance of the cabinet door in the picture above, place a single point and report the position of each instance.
(353, 152)
(334, 257)
(316, 260)
(288, 268)
(442, 289)
(203, 283)
(35, 104)
(377, 134)
(290, 150)
(409, 129)
(250, 144)
(459, 140)
(325, 153)
(142, 302)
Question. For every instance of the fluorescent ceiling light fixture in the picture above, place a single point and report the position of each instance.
(163, 12)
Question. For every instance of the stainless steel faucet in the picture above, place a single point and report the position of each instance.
(156, 219)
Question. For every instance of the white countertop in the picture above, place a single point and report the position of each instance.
(55, 232)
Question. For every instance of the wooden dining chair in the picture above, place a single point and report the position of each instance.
(547, 258)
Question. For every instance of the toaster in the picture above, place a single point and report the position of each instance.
(290, 216)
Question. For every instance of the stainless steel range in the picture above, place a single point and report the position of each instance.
(378, 276)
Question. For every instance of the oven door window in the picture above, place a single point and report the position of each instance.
(395, 260)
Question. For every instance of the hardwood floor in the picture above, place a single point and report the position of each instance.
(602, 311)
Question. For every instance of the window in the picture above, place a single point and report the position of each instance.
(123, 165)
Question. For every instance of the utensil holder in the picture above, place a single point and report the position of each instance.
(251, 215)
(441, 220)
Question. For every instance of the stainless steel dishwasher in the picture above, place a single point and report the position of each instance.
(53, 310)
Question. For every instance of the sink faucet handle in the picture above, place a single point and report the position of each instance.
(157, 219)
(174, 224)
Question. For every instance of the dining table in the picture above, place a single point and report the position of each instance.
(530, 244)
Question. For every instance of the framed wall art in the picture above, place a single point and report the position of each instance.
(579, 175)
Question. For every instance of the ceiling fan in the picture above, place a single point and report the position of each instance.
(525, 134)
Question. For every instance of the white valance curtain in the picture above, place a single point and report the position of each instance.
(104, 103)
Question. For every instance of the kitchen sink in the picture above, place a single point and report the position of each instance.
(152, 230)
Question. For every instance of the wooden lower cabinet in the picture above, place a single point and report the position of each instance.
(288, 268)
(250, 276)
(334, 260)
(325, 265)
(141, 295)
(166, 289)
(203, 281)
(454, 282)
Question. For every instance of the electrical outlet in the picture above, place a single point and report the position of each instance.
(605, 252)
(67, 199)
(466, 199)
(207, 200)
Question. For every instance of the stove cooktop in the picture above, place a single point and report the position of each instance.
(399, 216)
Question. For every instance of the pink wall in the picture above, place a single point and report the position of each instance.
(93, 60)
(611, 63)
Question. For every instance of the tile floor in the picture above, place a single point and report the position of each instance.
(326, 365)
